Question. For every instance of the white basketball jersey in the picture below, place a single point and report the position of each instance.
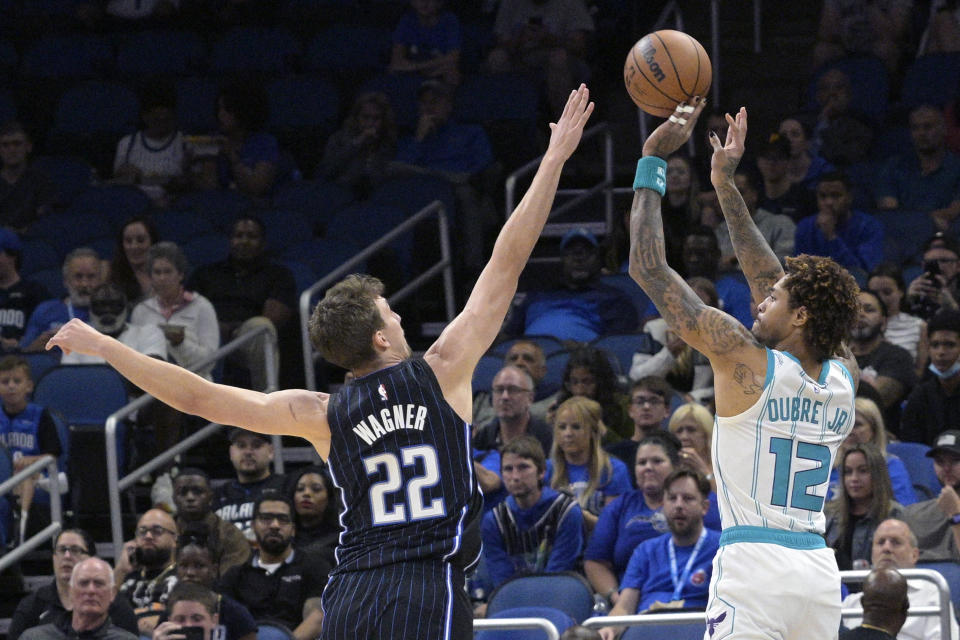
(772, 462)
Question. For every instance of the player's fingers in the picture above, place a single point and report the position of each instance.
(715, 141)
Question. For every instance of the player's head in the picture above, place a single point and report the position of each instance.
(353, 325)
(16, 384)
(529, 356)
(523, 465)
(686, 501)
(817, 297)
(894, 546)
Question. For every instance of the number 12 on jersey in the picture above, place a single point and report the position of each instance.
(782, 449)
(393, 482)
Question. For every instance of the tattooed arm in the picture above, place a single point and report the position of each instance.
(758, 261)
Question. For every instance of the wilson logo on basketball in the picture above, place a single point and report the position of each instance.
(649, 56)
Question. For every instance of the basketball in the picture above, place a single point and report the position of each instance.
(665, 68)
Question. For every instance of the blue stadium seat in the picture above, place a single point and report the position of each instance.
(221, 207)
(269, 50)
(104, 245)
(345, 49)
(932, 79)
(316, 199)
(365, 223)
(869, 83)
(302, 272)
(97, 107)
(503, 96)
(686, 631)
(180, 226)
(919, 467)
(905, 233)
(206, 249)
(61, 230)
(197, 105)
(322, 255)
(950, 570)
(549, 344)
(556, 365)
(560, 620)
(623, 346)
(114, 203)
(302, 102)
(70, 175)
(41, 362)
(38, 254)
(568, 592)
(68, 56)
(485, 371)
(148, 53)
(52, 279)
(84, 394)
(284, 228)
(413, 193)
(270, 630)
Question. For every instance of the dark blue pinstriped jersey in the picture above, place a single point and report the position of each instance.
(401, 458)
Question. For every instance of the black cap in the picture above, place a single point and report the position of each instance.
(237, 431)
(946, 441)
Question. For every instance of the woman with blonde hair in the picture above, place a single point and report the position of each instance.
(692, 423)
(579, 463)
(864, 499)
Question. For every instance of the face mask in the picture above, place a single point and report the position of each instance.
(949, 373)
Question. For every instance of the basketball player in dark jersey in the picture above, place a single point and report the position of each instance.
(396, 438)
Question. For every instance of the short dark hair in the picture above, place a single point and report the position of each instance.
(836, 176)
(250, 217)
(158, 93)
(944, 320)
(11, 362)
(670, 444)
(829, 293)
(703, 485)
(654, 384)
(88, 542)
(272, 495)
(195, 533)
(193, 471)
(526, 447)
(343, 323)
(192, 592)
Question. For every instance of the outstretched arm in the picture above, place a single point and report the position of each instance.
(758, 261)
(290, 412)
(456, 352)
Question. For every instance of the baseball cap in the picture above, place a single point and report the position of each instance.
(9, 241)
(946, 441)
(579, 233)
(235, 432)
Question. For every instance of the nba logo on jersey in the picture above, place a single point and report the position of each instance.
(383, 392)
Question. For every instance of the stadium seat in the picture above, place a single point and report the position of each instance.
(219, 206)
(302, 102)
(502, 96)
(623, 346)
(485, 371)
(343, 49)
(273, 631)
(560, 620)
(181, 226)
(366, 223)
(549, 344)
(84, 394)
(950, 570)
(303, 274)
(556, 365)
(567, 592)
(270, 50)
(919, 467)
(322, 255)
(316, 199)
(284, 228)
(63, 233)
(149, 53)
(52, 279)
(413, 193)
(41, 362)
(68, 57)
(70, 175)
(114, 203)
(96, 108)
(206, 249)
(686, 631)
(932, 79)
(38, 254)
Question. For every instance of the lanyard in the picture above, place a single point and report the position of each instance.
(678, 583)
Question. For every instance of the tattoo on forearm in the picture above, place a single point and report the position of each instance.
(747, 379)
(759, 262)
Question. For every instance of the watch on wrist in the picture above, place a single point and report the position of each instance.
(955, 518)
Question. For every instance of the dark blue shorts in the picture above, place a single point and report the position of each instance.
(403, 601)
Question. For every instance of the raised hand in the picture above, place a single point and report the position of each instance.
(566, 132)
(675, 131)
(727, 156)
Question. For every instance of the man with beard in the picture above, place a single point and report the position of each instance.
(886, 370)
(583, 308)
(895, 547)
(92, 590)
(193, 498)
(82, 273)
(936, 522)
(49, 602)
(251, 455)
(151, 571)
(934, 405)
(672, 571)
(278, 582)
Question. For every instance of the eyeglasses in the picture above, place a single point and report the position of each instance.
(156, 531)
(72, 549)
(510, 390)
(646, 400)
(267, 518)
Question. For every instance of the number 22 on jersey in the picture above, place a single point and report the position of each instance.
(414, 506)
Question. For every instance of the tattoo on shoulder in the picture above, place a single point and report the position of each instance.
(747, 379)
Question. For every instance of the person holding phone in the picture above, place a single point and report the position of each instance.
(193, 614)
(936, 287)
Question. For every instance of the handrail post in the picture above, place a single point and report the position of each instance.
(49, 463)
(450, 303)
(113, 487)
(608, 178)
(270, 357)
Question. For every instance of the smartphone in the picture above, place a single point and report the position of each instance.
(931, 267)
(192, 633)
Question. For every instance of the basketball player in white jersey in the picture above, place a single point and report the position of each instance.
(784, 401)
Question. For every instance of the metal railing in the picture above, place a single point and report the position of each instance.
(443, 265)
(580, 195)
(518, 623)
(116, 484)
(929, 575)
(56, 513)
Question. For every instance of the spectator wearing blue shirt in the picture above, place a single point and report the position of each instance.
(82, 273)
(928, 179)
(580, 465)
(854, 239)
(427, 40)
(672, 571)
(701, 258)
(582, 308)
(536, 529)
(636, 516)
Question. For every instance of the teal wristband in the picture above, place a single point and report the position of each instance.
(651, 174)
